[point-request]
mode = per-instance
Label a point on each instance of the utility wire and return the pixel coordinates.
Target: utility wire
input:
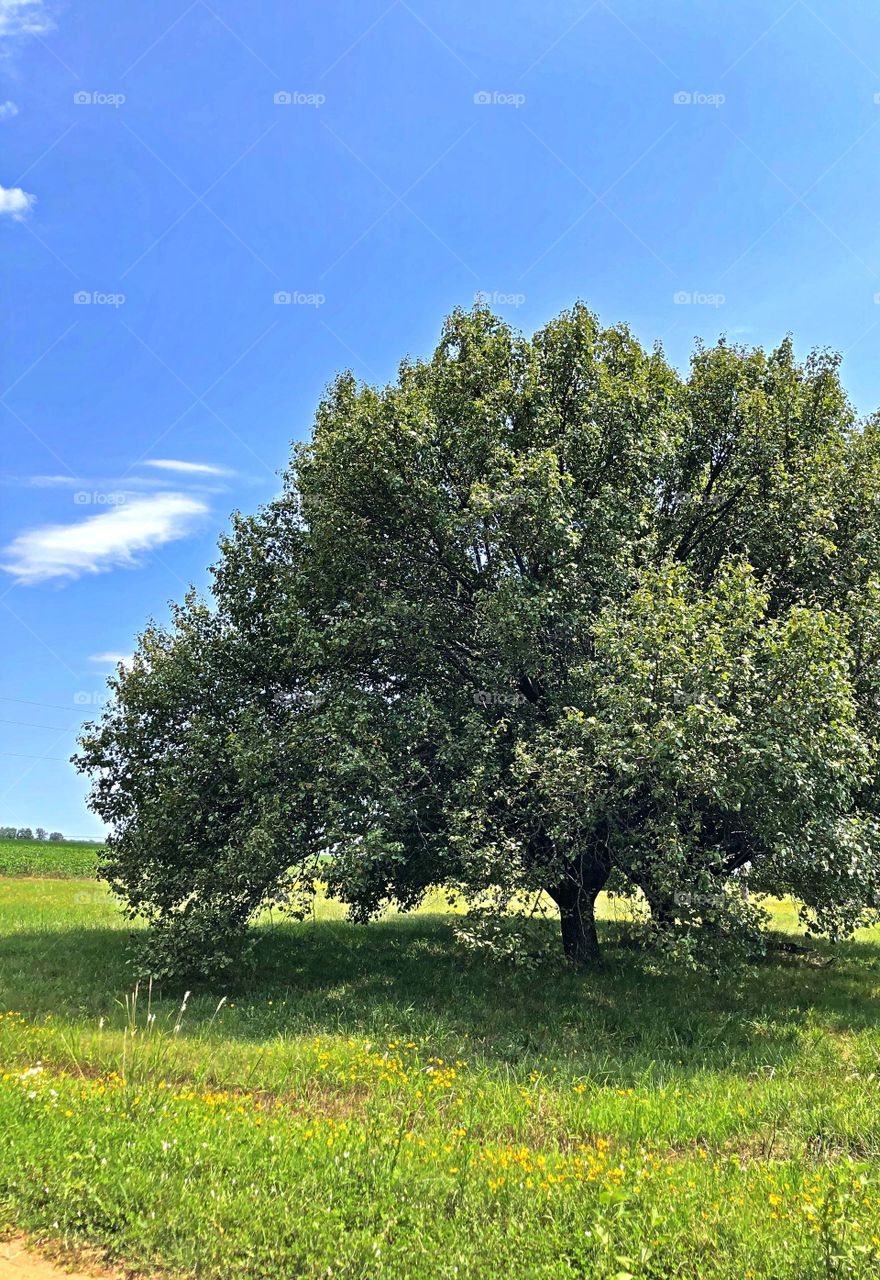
(30, 702)
(20, 755)
(29, 724)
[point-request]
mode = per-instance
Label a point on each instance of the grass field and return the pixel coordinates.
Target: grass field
(378, 1104)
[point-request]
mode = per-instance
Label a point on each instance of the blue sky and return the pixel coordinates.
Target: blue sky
(693, 169)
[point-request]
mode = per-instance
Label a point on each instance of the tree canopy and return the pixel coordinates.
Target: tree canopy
(542, 615)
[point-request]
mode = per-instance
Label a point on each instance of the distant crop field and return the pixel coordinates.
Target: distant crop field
(64, 858)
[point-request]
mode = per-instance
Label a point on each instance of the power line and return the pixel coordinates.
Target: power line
(20, 755)
(30, 703)
(29, 724)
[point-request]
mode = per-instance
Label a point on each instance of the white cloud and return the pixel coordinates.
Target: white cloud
(112, 658)
(118, 537)
(24, 18)
(8, 110)
(107, 490)
(15, 202)
(187, 468)
(124, 485)
(44, 482)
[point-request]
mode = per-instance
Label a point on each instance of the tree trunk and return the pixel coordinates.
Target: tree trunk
(579, 939)
(576, 899)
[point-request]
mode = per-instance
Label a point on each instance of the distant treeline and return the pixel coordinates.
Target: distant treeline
(25, 833)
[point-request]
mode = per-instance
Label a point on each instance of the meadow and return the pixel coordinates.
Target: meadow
(376, 1102)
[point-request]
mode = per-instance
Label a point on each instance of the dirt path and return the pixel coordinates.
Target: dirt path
(19, 1263)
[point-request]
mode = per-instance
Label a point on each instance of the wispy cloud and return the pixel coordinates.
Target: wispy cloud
(8, 110)
(187, 468)
(111, 659)
(124, 486)
(114, 485)
(25, 18)
(119, 537)
(15, 203)
(44, 482)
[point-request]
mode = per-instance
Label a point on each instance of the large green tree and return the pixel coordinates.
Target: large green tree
(538, 614)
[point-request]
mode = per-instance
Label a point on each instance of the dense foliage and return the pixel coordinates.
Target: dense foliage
(540, 616)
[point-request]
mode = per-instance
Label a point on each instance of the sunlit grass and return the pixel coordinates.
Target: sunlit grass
(377, 1102)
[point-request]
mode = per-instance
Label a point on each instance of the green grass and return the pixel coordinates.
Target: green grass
(376, 1103)
(48, 857)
